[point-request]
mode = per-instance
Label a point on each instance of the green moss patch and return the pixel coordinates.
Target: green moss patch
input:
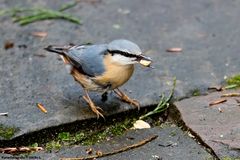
(117, 129)
(230, 158)
(89, 137)
(196, 92)
(234, 81)
(7, 132)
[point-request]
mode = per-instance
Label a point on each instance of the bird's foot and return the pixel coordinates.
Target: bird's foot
(97, 110)
(125, 98)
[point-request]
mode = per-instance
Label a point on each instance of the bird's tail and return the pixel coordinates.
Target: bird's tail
(57, 49)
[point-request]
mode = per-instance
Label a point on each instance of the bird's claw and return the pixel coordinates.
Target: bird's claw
(125, 98)
(97, 110)
(133, 102)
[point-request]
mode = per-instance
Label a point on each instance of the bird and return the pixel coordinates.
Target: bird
(102, 67)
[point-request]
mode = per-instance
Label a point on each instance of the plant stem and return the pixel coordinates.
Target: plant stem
(29, 15)
(46, 14)
(68, 5)
(163, 104)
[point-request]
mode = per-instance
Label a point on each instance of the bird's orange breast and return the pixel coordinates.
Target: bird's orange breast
(115, 74)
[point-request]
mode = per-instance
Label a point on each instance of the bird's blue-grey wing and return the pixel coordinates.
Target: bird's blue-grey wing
(88, 59)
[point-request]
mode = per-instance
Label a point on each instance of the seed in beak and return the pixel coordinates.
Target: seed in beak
(145, 63)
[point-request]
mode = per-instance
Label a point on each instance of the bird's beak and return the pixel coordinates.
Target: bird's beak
(145, 61)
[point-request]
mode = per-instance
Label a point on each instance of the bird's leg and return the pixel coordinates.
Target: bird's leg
(93, 107)
(125, 98)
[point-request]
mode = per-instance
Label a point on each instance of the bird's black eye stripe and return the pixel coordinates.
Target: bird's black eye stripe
(122, 53)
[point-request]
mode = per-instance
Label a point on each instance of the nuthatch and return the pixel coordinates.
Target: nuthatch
(102, 67)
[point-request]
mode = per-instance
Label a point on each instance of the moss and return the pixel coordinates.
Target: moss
(173, 133)
(92, 132)
(64, 136)
(53, 145)
(117, 129)
(94, 138)
(230, 158)
(89, 137)
(211, 158)
(79, 136)
(7, 132)
(196, 92)
(234, 80)
(34, 145)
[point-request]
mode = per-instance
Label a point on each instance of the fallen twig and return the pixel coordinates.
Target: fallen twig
(217, 88)
(4, 114)
(14, 150)
(41, 107)
(8, 44)
(138, 144)
(218, 101)
(231, 95)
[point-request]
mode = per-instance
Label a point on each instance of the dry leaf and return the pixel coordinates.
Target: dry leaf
(40, 34)
(89, 150)
(191, 135)
(99, 153)
(24, 149)
(36, 149)
(174, 50)
(140, 124)
(8, 45)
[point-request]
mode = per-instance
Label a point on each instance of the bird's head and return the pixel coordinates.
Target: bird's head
(126, 52)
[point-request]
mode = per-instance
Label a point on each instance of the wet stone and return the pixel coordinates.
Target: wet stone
(171, 143)
(210, 52)
(218, 125)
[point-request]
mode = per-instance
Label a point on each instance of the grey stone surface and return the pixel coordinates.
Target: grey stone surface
(171, 143)
(219, 130)
(206, 30)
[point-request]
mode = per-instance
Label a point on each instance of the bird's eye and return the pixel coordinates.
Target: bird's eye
(126, 54)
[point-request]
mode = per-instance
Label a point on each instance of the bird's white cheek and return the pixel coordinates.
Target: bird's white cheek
(122, 59)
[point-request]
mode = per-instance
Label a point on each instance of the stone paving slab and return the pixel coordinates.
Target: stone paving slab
(206, 30)
(171, 143)
(219, 130)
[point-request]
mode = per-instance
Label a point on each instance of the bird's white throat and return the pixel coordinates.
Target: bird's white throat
(123, 60)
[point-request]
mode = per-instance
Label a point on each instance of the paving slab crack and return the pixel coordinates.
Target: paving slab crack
(176, 117)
